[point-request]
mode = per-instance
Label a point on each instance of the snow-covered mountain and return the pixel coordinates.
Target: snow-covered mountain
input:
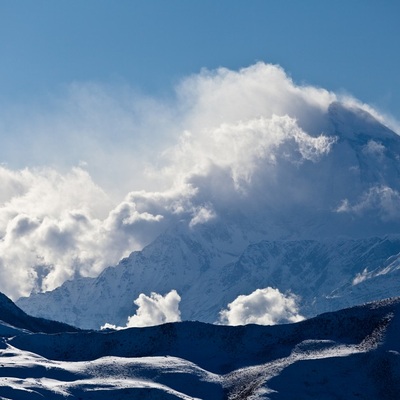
(348, 354)
(325, 228)
(323, 273)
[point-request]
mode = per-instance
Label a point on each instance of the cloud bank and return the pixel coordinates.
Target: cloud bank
(247, 144)
(263, 307)
(153, 310)
(56, 226)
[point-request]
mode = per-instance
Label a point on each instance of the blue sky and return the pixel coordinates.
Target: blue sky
(89, 82)
(151, 45)
(116, 120)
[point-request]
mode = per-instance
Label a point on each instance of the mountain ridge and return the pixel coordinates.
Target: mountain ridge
(14, 316)
(352, 353)
(324, 267)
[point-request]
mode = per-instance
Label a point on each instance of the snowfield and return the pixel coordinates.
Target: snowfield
(348, 354)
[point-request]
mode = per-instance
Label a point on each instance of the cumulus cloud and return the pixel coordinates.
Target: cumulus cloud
(263, 307)
(229, 144)
(213, 98)
(153, 310)
(245, 147)
(55, 226)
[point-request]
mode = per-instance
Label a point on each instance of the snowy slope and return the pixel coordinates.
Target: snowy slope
(349, 354)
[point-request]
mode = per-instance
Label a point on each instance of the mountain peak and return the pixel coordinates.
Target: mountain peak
(352, 122)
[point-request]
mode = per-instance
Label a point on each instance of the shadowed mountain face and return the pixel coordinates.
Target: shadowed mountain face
(12, 315)
(352, 353)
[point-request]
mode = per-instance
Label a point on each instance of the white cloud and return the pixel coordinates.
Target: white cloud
(229, 143)
(381, 200)
(202, 215)
(54, 226)
(374, 148)
(153, 310)
(361, 277)
(213, 98)
(245, 147)
(263, 307)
